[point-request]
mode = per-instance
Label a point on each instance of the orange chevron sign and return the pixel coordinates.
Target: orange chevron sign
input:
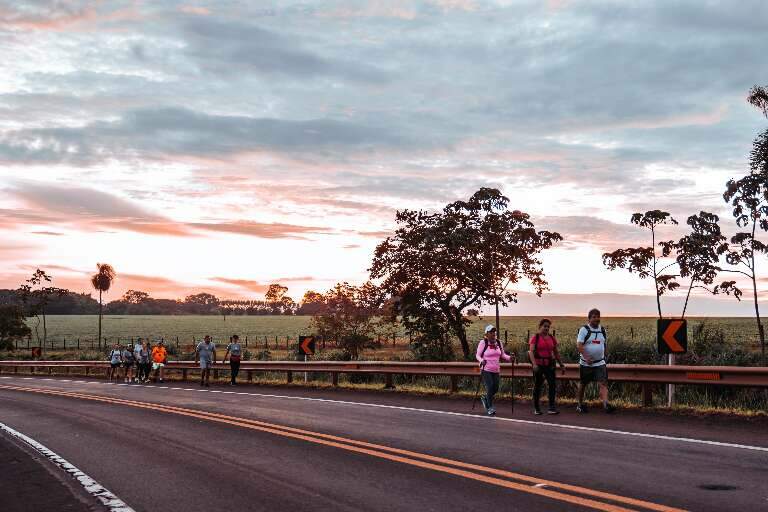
(672, 336)
(307, 345)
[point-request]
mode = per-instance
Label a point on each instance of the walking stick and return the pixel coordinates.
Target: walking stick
(477, 390)
(514, 359)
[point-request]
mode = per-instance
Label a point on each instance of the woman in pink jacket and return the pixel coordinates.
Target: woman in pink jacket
(489, 355)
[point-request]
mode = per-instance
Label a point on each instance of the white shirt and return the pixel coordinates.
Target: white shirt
(594, 345)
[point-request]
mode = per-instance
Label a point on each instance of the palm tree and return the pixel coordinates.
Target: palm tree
(102, 281)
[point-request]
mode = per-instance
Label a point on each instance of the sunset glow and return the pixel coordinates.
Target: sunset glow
(223, 146)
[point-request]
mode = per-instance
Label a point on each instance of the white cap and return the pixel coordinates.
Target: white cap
(489, 328)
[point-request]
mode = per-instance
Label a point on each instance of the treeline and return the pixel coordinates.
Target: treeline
(134, 302)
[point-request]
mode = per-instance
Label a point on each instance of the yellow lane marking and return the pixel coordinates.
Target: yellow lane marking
(380, 451)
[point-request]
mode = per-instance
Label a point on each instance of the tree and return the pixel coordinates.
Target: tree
(12, 325)
(350, 315)
(758, 97)
(278, 301)
(467, 255)
(311, 303)
(36, 296)
(201, 304)
(102, 281)
(748, 197)
(699, 252)
(645, 261)
(135, 297)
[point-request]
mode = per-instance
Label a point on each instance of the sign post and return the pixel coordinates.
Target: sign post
(306, 348)
(672, 339)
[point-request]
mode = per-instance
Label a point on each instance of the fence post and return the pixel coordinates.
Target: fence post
(388, 384)
(335, 379)
(647, 394)
(289, 378)
(454, 383)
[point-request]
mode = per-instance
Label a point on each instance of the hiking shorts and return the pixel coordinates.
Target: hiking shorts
(589, 374)
(156, 366)
(115, 365)
(205, 364)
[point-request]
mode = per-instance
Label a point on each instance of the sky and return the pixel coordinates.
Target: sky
(222, 146)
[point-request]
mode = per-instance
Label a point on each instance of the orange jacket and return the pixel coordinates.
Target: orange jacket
(159, 354)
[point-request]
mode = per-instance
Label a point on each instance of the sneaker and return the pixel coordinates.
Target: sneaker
(491, 412)
(485, 404)
(537, 412)
(582, 409)
(609, 409)
(553, 411)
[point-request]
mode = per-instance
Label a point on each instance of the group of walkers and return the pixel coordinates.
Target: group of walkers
(544, 356)
(138, 361)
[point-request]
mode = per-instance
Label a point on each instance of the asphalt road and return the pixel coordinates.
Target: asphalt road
(180, 447)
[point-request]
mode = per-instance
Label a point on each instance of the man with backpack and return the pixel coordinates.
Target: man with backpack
(591, 343)
(543, 354)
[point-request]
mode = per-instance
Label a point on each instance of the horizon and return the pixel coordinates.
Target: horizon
(221, 147)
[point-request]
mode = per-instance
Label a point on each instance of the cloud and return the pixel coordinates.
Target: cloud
(246, 284)
(220, 46)
(263, 230)
(85, 208)
(156, 133)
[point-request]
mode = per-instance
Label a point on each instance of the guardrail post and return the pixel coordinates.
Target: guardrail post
(290, 376)
(335, 379)
(388, 384)
(249, 374)
(454, 383)
(215, 374)
(50, 370)
(647, 394)
(183, 374)
(87, 369)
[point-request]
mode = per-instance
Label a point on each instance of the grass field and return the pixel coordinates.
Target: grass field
(739, 331)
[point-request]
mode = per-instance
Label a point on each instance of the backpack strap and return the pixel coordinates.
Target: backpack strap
(536, 347)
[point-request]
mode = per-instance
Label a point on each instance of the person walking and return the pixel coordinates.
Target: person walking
(129, 363)
(235, 352)
(489, 355)
(159, 359)
(591, 343)
(206, 355)
(115, 360)
(543, 355)
(143, 361)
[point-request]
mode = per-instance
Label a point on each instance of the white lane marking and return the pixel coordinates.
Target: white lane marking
(540, 485)
(95, 489)
(475, 416)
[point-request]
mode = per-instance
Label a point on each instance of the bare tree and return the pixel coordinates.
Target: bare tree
(645, 261)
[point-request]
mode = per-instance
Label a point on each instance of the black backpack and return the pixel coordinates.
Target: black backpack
(590, 332)
(536, 355)
(498, 342)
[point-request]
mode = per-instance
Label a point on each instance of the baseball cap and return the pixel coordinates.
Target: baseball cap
(489, 328)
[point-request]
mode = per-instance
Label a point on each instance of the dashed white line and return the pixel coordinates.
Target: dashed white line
(465, 415)
(95, 489)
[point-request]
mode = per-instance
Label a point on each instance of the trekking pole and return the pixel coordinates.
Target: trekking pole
(477, 389)
(514, 359)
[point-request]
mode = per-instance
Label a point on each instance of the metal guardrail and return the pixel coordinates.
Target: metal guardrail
(646, 375)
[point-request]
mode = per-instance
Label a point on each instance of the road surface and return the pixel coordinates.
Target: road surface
(182, 447)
